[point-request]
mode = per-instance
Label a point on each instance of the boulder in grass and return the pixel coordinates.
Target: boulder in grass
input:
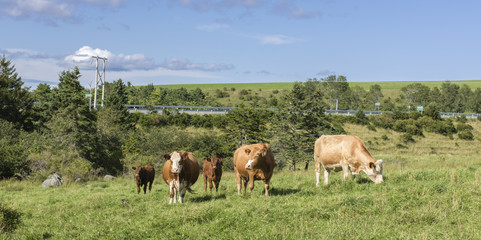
(108, 177)
(53, 180)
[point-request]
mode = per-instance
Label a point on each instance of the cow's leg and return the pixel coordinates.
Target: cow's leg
(245, 184)
(145, 188)
(210, 185)
(267, 187)
(138, 189)
(172, 192)
(182, 194)
(150, 185)
(345, 170)
(326, 176)
(317, 164)
(216, 185)
(238, 178)
(205, 183)
(251, 182)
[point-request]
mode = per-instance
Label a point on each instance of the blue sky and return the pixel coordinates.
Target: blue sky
(235, 41)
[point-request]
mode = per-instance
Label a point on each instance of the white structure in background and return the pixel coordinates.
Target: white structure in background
(99, 78)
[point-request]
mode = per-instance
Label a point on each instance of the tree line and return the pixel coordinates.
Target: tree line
(64, 135)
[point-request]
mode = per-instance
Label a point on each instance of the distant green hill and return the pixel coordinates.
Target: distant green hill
(473, 84)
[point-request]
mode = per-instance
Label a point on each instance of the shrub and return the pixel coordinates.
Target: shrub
(384, 137)
(462, 127)
(465, 135)
(243, 92)
(406, 138)
(371, 127)
(9, 219)
(462, 119)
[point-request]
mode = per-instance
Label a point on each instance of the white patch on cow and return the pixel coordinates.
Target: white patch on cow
(249, 164)
(318, 175)
(175, 158)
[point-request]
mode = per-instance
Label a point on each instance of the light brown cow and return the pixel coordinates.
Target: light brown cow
(253, 162)
(346, 153)
(212, 172)
(144, 175)
(180, 172)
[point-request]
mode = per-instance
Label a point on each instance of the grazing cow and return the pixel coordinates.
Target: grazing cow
(253, 162)
(180, 172)
(144, 175)
(212, 172)
(346, 153)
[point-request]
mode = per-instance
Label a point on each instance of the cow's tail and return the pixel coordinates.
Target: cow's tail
(190, 190)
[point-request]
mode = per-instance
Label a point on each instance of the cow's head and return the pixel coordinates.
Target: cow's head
(177, 160)
(137, 171)
(375, 171)
(255, 155)
(215, 162)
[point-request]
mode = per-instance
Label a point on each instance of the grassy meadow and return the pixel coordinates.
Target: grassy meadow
(432, 190)
(391, 89)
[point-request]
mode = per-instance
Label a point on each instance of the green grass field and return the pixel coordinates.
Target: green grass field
(389, 89)
(431, 191)
(473, 84)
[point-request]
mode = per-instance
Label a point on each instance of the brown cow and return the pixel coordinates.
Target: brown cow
(180, 172)
(212, 172)
(346, 153)
(253, 162)
(144, 175)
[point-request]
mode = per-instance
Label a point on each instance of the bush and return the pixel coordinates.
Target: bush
(462, 119)
(463, 127)
(9, 219)
(406, 138)
(371, 127)
(384, 137)
(465, 135)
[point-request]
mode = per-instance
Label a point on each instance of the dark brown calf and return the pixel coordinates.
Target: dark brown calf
(144, 175)
(212, 172)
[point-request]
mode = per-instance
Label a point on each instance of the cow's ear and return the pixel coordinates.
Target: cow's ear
(207, 159)
(248, 151)
(134, 168)
(184, 155)
(372, 165)
(167, 156)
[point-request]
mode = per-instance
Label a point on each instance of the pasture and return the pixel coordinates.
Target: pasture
(423, 197)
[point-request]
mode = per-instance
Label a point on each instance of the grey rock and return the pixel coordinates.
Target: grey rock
(53, 180)
(108, 177)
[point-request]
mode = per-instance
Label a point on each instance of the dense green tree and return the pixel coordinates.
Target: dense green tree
(373, 96)
(335, 89)
(15, 100)
(300, 121)
(246, 125)
(449, 99)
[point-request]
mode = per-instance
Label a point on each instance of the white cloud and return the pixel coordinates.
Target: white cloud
(50, 11)
(45, 8)
(276, 39)
(115, 62)
(185, 64)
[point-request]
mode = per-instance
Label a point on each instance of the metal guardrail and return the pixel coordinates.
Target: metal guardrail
(224, 110)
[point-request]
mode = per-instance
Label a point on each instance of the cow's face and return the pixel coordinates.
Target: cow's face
(177, 160)
(216, 163)
(137, 172)
(254, 156)
(375, 171)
